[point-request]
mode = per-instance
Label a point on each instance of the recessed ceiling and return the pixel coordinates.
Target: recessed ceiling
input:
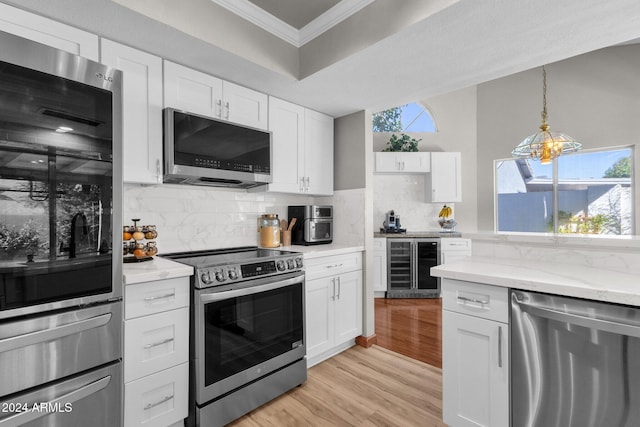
(294, 21)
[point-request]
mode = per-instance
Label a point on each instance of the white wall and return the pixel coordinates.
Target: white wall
(594, 97)
(455, 117)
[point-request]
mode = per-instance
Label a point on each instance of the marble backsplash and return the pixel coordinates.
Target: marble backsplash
(195, 218)
(405, 195)
(614, 254)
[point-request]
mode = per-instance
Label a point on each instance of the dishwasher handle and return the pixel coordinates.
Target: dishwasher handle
(576, 319)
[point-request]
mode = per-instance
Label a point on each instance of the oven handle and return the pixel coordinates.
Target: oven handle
(45, 335)
(267, 285)
(87, 390)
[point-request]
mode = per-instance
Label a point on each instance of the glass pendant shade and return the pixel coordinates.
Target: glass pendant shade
(545, 145)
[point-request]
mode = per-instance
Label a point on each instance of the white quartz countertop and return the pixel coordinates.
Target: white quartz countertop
(317, 251)
(561, 279)
(157, 269)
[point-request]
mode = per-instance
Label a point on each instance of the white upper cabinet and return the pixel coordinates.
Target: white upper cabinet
(200, 93)
(49, 32)
(318, 158)
(402, 162)
(286, 122)
(142, 110)
(302, 149)
(444, 183)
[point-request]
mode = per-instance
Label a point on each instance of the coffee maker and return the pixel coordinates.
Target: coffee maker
(391, 224)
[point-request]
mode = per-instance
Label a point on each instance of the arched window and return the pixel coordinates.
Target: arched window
(405, 118)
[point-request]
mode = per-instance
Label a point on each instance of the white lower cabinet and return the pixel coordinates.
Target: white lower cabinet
(380, 265)
(156, 352)
(475, 355)
(160, 399)
(333, 305)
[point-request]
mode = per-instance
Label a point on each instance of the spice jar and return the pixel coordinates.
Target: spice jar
(139, 251)
(150, 232)
(126, 233)
(269, 229)
(152, 249)
(137, 234)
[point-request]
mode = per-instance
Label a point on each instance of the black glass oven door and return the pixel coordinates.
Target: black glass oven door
(243, 334)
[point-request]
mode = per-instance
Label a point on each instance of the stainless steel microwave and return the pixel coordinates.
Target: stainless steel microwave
(202, 150)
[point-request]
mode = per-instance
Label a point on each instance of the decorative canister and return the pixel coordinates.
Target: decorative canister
(269, 229)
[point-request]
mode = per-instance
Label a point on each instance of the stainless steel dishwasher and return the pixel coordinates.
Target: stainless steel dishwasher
(574, 362)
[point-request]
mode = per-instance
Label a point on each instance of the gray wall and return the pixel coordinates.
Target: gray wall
(594, 97)
(350, 137)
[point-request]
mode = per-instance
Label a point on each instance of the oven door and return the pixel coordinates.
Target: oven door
(318, 230)
(245, 331)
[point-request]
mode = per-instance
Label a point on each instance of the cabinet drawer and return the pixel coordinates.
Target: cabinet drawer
(476, 299)
(332, 265)
(452, 244)
(154, 297)
(156, 342)
(157, 400)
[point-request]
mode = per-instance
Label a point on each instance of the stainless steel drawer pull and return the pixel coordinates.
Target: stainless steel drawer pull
(153, 405)
(335, 265)
(50, 334)
(156, 344)
(473, 300)
(155, 298)
(499, 346)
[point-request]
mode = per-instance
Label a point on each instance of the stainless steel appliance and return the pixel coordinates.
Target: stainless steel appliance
(573, 362)
(409, 262)
(247, 333)
(60, 204)
(314, 224)
(201, 150)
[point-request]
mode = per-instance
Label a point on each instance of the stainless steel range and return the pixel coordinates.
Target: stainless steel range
(247, 339)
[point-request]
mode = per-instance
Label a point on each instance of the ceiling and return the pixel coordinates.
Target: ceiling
(395, 55)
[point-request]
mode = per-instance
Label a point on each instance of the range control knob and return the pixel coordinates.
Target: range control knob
(220, 277)
(281, 265)
(299, 262)
(232, 274)
(206, 278)
(290, 264)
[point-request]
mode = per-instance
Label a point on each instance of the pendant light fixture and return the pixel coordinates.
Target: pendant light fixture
(545, 145)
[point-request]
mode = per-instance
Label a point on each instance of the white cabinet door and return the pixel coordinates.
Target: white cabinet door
(445, 182)
(192, 91)
(244, 106)
(380, 264)
(142, 110)
(319, 315)
(286, 122)
(475, 366)
(318, 153)
(348, 306)
(49, 32)
(200, 93)
(399, 162)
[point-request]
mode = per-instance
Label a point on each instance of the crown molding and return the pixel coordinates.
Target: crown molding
(284, 31)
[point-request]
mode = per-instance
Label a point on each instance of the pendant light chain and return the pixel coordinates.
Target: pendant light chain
(544, 97)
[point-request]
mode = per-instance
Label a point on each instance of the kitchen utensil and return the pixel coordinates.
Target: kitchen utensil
(293, 222)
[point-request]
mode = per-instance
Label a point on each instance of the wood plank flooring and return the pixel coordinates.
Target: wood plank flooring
(358, 387)
(412, 327)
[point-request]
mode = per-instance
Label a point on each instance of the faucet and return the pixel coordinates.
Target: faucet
(74, 224)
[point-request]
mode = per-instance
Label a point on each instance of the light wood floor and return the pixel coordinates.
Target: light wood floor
(412, 327)
(359, 387)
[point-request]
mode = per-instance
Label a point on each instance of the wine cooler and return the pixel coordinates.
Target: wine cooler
(409, 262)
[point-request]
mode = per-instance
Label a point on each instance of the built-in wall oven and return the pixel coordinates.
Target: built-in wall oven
(60, 204)
(247, 334)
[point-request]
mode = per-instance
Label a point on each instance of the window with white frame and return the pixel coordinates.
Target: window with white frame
(588, 192)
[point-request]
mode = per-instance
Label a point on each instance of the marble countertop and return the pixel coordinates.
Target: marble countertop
(417, 234)
(556, 278)
(317, 251)
(157, 269)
